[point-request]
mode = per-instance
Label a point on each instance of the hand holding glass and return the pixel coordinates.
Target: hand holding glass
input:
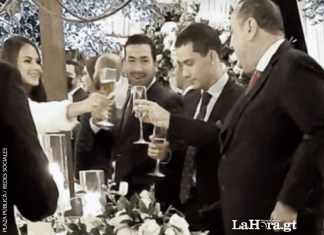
(108, 78)
(159, 139)
(139, 93)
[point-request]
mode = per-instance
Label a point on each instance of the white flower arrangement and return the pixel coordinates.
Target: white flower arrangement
(141, 215)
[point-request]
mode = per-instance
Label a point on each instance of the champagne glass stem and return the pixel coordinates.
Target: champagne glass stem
(157, 166)
(141, 128)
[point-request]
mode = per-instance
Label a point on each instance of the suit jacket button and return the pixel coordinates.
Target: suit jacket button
(222, 188)
(224, 157)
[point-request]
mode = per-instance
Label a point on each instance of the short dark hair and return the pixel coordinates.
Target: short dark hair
(266, 13)
(9, 53)
(78, 68)
(138, 39)
(202, 37)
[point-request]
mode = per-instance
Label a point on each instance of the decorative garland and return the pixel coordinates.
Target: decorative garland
(21, 18)
(87, 39)
(314, 10)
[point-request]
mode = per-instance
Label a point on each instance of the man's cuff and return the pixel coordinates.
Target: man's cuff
(168, 158)
(94, 127)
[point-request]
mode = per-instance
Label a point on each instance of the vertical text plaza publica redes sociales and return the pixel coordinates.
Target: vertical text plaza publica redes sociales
(256, 224)
(4, 195)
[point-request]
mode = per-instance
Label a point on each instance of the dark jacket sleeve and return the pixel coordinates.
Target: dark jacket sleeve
(30, 186)
(186, 131)
(83, 145)
(175, 104)
(306, 110)
(92, 151)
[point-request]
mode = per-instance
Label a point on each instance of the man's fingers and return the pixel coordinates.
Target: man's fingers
(111, 96)
(105, 114)
(152, 153)
(146, 119)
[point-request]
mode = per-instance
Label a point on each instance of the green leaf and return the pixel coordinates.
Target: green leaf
(122, 203)
(94, 231)
(142, 206)
(73, 227)
(83, 227)
(152, 193)
(157, 209)
(133, 201)
(151, 209)
(136, 217)
(109, 230)
(110, 210)
(126, 221)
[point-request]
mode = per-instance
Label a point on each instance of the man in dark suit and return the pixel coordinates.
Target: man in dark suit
(76, 93)
(272, 141)
(198, 48)
(274, 137)
(26, 181)
(132, 163)
(73, 79)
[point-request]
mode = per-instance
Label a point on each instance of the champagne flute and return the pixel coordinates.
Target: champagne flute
(159, 138)
(108, 78)
(139, 93)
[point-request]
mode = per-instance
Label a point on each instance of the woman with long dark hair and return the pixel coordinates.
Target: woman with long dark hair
(88, 72)
(48, 116)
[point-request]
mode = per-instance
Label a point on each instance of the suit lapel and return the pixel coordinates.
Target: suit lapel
(191, 103)
(221, 102)
(230, 125)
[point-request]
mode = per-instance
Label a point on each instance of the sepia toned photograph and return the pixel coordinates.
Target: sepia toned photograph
(162, 117)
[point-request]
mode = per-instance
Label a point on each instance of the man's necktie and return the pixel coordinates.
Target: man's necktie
(255, 77)
(127, 110)
(189, 163)
(205, 98)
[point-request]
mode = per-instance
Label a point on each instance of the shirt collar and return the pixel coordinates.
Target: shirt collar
(151, 84)
(266, 57)
(148, 87)
(217, 87)
(186, 90)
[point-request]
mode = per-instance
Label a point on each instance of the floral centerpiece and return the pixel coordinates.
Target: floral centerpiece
(140, 215)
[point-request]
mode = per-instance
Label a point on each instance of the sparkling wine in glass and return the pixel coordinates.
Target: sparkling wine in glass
(139, 93)
(108, 78)
(159, 138)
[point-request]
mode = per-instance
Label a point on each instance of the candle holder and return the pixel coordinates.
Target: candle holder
(54, 146)
(63, 203)
(91, 183)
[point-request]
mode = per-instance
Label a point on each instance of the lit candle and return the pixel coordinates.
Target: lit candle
(64, 193)
(92, 205)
